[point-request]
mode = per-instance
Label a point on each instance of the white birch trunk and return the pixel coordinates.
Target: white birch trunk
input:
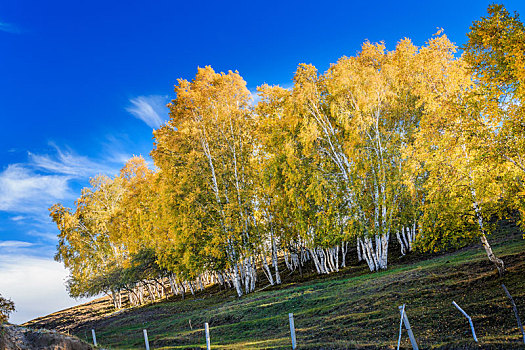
(488, 249)
(370, 254)
(323, 260)
(275, 261)
(140, 293)
(190, 286)
(172, 285)
(329, 260)
(479, 216)
(401, 243)
(316, 261)
(254, 274)
(150, 291)
(266, 269)
(182, 289)
(199, 280)
(237, 280)
(359, 248)
(344, 250)
(286, 261)
(295, 260)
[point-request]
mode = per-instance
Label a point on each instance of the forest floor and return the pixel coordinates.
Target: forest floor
(352, 309)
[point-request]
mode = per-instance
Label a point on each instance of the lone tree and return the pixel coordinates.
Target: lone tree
(6, 308)
(495, 52)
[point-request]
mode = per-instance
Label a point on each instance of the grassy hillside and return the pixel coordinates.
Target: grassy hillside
(351, 309)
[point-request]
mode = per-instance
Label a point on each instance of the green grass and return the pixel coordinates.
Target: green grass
(350, 309)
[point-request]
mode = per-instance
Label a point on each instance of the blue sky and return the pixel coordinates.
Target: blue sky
(82, 84)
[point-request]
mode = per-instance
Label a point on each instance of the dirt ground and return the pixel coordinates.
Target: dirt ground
(20, 338)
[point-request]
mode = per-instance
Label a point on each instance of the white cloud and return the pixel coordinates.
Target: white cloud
(28, 274)
(21, 189)
(150, 109)
(69, 163)
(35, 285)
(32, 187)
(14, 244)
(9, 28)
(18, 247)
(42, 233)
(119, 158)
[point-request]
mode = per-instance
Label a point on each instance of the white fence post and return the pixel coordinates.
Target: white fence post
(146, 339)
(469, 320)
(207, 330)
(407, 326)
(520, 326)
(292, 330)
(94, 337)
(402, 308)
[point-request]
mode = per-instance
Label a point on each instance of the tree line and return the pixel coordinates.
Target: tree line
(419, 145)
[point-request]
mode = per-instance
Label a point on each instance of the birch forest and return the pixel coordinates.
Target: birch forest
(418, 148)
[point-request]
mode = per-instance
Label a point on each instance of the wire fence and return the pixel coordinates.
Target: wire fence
(404, 324)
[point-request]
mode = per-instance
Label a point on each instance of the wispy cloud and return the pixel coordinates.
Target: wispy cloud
(21, 189)
(17, 247)
(9, 28)
(43, 233)
(150, 109)
(30, 188)
(119, 157)
(14, 244)
(69, 163)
